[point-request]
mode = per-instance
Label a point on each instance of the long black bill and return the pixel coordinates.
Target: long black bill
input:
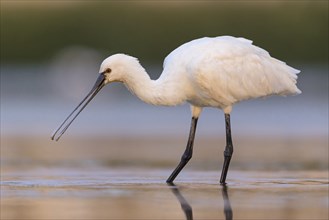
(100, 83)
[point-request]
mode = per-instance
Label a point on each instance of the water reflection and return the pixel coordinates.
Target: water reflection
(227, 205)
(108, 194)
(187, 208)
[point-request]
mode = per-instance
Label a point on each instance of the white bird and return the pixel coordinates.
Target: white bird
(207, 72)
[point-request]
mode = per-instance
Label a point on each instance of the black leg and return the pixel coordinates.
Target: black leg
(188, 152)
(228, 149)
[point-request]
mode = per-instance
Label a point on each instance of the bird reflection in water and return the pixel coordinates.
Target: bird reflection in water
(187, 208)
(227, 205)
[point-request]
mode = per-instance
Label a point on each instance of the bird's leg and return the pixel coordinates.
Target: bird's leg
(187, 155)
(228, 149)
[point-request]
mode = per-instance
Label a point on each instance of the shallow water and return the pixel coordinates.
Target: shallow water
(129, 193)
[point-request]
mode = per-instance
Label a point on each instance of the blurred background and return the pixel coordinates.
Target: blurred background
(50, 57)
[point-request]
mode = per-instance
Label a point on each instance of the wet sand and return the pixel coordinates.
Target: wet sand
(124, 178)
(251, 152)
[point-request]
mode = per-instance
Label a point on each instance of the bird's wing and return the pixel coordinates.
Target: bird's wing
(235, 71)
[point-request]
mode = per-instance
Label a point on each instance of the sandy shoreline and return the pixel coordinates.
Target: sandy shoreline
(251, 153)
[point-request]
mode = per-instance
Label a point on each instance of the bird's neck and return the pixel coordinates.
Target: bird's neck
(156, 92)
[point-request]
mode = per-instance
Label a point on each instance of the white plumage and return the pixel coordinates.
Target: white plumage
(216, 72)
(208, 72)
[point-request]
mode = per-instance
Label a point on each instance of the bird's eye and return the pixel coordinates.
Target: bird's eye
(108, 70)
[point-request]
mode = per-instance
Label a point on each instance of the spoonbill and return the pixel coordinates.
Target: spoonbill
(207, 72)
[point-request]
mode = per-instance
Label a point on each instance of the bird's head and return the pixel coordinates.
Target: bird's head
(115, 68)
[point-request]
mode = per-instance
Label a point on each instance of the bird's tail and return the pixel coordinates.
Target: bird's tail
(290, 79)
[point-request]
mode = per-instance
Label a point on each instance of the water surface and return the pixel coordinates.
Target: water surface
(130, 193)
